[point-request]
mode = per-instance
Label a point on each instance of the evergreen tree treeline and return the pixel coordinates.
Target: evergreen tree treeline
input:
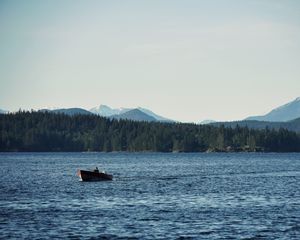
(44, 131)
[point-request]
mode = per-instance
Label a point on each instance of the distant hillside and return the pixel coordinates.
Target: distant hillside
(293, 125)
(152, 114)
(68, 111)
(46, 131)
(135, 115)
(283, 113)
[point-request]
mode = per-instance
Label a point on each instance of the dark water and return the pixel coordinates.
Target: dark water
(153, 196)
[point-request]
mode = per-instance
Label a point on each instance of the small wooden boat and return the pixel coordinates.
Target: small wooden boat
(93, 175)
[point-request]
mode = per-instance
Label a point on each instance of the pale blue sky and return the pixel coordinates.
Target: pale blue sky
(186, 60)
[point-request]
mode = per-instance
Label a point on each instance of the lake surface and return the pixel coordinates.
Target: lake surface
(153, 196)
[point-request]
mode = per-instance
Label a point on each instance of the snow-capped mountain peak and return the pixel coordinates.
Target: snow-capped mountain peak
(105, 111)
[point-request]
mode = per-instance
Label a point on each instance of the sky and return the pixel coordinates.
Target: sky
(187, 60)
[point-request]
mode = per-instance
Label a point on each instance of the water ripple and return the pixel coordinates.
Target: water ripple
(153, 196)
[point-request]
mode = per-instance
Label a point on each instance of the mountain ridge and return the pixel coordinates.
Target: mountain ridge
(134, 115)
(106, 111)
(283, 113)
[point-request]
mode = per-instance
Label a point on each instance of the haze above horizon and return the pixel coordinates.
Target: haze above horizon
(186, 60)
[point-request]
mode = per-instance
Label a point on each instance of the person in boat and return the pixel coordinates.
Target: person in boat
(96, 170)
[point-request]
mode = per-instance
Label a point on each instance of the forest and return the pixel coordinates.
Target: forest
(51, 132)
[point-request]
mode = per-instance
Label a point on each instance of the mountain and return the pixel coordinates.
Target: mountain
(283, 113)
(293, 125)
(152, 114)
(135, 115)
(68, 111)
(106, 111)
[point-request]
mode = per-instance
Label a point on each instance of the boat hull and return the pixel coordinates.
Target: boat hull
(93, 176)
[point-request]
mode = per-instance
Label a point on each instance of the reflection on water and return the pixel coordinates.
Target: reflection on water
(209, 196)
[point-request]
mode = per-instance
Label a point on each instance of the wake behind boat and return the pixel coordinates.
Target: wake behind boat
(93, 175)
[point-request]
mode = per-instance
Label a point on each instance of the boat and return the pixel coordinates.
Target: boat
(95, 175)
